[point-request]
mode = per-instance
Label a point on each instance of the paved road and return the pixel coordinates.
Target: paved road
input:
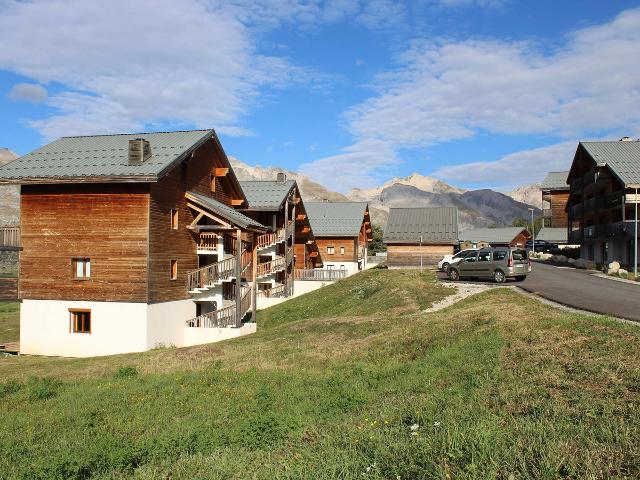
(583, 290)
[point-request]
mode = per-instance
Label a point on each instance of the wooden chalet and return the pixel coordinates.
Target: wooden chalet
(555, 194)
(494, 237)
(420, 236)
(289, 243)
(133, 241)
(342, 232)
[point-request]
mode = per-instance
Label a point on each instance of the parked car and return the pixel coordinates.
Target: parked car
(443, 264)
(497, 264)
(541, 246)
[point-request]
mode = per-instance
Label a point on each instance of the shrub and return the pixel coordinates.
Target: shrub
(126, 371)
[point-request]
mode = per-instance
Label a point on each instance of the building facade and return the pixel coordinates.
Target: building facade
(420, 236)
(131, 242)
(602, 210)
(555, 195)
(494, 237)
(342, 232)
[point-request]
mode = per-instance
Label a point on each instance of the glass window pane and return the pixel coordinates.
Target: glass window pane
(87, 268)
(79, 269)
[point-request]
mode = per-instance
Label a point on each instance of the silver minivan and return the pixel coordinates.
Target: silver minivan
(497, 264)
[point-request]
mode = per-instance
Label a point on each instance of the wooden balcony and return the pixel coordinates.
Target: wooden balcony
(266, 268)
(210, 275)
(271, 238)
(322, 275)
(610, 230)
(224, 317)
(208, 241)
(277, 291)
(10, 238)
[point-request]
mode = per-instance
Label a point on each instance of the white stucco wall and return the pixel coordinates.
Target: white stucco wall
(116, 327)
(199, 336)
(350, 267)
(166, 322)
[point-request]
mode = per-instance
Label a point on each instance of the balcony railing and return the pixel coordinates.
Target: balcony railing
(272, 266)
(610, 230)
(277, 291)
(324, 275)
(208, 241)
(225, 317)
(209, 275)
(10, 237)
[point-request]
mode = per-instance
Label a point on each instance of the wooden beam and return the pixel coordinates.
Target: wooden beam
(220, 171)
(209, 214)
(254, 277)
(238, 277)
(313, 254)
(301, 216)
(237, 202)
(197, 219)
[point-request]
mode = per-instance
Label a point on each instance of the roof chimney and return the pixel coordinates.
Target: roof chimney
(626, 139)
(281, 177)
(139, 151)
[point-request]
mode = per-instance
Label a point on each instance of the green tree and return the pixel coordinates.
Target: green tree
(377, 244)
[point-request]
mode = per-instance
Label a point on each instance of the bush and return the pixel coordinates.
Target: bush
(126, 372)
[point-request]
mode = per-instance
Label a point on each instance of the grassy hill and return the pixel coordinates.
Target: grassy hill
(351, 381)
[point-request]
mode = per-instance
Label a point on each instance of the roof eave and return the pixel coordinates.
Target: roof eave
(76, 180)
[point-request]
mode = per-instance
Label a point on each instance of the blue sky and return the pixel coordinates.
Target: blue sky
(479, 93)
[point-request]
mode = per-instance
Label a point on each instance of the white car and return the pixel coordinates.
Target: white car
(449, 259)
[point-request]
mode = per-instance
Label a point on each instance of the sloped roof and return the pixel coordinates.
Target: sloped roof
(553, 235)
(623, 158)
(226, 212)
(266, 194)
(336, 219)
(434, 224)
(491, 235)
(555, 181)
(74, 159)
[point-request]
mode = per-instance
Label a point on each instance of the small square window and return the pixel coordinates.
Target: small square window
(341, 250)
(174, 218)
(330, 267)
(80, 320)
(331, 250)
(174, 269)
(81, 268)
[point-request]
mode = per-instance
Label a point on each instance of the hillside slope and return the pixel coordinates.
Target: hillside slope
(351, 381)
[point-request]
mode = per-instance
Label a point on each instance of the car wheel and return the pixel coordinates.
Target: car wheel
(499, 276)
(520, 278)
(454, 275)
(445, 266)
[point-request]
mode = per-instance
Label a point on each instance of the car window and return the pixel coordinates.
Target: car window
(470, 258)
(484, 257)
(499, 255)
(519, 255)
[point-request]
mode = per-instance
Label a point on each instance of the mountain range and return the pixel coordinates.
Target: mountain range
(477, 208)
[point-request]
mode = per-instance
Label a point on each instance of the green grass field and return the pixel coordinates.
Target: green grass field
(352, 381)
(9, 321)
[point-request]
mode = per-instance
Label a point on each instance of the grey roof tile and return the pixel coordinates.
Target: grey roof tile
(623, 158)
(225, 211)
(555, 181)
(75, 158)
(434, 224)
(266, 194)
(336, 219)
(491, 235)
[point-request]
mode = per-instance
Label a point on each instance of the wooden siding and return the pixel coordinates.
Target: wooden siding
(107, 223)
(8, 289)
(166, 244)
(558, 201)
(349, 244)
(408, 255)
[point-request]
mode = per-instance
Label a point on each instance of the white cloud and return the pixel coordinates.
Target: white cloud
(527, 166)
(31, 92)
(476, 3)
(129, 64)
(451, 90)
(382, 14)
(362, 165)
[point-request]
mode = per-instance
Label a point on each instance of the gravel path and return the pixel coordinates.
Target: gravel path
(464, 290)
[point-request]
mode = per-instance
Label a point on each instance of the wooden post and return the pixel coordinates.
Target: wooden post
(238, 279)
(254, 277)
(293, 249)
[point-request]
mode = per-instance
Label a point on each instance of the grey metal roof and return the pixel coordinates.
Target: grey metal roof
(553, 235)
(336, 219)
(91, 157)
(434, 224)
(226, 212)
(491, 235)
(555, 181)
(623, 158)
(266, 194)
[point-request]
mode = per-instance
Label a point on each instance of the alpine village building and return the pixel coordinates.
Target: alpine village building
(130, 242)
(494, 237)
(555, 195)
(420, 236)
(604, 183)
(342, 231)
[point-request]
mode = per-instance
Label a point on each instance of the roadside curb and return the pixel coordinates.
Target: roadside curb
(616, 279)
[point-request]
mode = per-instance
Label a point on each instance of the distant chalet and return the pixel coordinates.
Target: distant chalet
(415, 235)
